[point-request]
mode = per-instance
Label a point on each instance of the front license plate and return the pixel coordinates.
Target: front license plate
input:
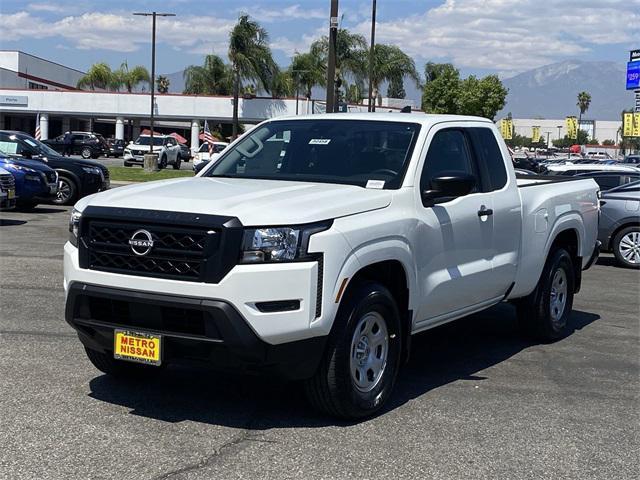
(137, 347)
(11, 194)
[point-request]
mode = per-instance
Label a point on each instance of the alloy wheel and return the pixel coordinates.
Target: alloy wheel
(629, 247)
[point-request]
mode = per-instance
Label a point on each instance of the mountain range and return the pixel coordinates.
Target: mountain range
(546, 92)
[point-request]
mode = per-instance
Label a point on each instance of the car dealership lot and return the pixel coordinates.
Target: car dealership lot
(475, 400)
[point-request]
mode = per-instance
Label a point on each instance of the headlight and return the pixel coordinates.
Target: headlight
(279, 244)
(92, 170)
(127, 151)
(74, 226)
(13, 166)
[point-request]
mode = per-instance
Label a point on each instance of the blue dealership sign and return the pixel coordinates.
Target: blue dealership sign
(633, 75)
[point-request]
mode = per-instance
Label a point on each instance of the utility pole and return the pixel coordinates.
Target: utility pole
(153, 15)
(331, 63)
(372, 104)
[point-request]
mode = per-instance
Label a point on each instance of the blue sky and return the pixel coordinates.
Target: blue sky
(478, 36)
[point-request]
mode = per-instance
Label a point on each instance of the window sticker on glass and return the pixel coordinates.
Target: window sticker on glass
(319, 141)
(377, 184)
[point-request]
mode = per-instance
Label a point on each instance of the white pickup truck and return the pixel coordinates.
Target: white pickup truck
(316, 246)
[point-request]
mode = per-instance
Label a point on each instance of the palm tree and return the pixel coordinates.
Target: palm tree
(308, 71)
(162, 84)
(250, 58)
(211, 78)
(389, 63)
(99, 76)
(283, 84)
(130, 79)
(351, 55)
(584, 101)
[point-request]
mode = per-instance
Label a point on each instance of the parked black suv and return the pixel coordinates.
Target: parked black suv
(76, 178)
(86, 144)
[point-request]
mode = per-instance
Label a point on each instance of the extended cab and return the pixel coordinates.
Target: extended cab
(316, 246)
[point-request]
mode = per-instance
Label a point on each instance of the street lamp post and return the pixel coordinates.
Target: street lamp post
(331, 61)
(153, 15)
(372, 105)
(559, 128)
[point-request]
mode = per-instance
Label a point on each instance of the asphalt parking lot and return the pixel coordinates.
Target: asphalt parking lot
(475, 400)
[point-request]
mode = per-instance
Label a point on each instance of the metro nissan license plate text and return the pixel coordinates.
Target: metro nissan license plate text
(137, 347)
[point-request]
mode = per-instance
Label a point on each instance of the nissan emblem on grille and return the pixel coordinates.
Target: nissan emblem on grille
(141, 242)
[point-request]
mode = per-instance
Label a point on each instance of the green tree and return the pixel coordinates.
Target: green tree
(608, 141)
(250, 58)
(98, 77)
(211, 78)
(441, 91)
(584, 101)
(389, 63)
(130, 79)
(283, 85)
(351, 56)
(354, 92)
(445, 92)
(483, 98)
(162, 84)
(396, 88)
(308, 70)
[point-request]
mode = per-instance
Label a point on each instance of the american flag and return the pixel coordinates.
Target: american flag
(38, 132)
(208, 137)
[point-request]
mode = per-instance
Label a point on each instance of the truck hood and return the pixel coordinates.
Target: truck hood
(254, 202)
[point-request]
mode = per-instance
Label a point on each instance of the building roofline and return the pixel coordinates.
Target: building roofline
(43, 59)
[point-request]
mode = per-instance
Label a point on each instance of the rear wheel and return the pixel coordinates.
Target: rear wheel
(67, 191)
(163, 162)
(85, 153)
(358, 370)
(544, 314)
(626, 247)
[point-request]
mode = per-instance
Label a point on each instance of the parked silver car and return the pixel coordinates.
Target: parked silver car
(619, 227)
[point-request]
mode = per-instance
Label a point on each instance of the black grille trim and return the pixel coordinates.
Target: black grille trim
(188, 247)
(319, 287)
(7, 182)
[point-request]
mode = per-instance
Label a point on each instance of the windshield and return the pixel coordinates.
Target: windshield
(147, 141)
(354, 152)
(44, 149)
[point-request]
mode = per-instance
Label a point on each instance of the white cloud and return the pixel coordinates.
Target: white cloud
(510, 36)
(46, 7)
(292, 12)
(123, 32)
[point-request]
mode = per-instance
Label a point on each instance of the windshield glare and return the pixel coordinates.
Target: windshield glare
(147, 141)
(352, 152)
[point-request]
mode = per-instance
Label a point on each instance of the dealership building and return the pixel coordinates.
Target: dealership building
(32, 86)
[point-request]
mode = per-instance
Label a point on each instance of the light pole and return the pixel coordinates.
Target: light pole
(372, 105)
(559, 128)
(331, 63)
(153, 15)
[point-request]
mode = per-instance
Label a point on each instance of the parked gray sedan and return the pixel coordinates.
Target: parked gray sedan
(619, 227)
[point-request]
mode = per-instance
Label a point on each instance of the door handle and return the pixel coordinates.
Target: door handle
(485, 212)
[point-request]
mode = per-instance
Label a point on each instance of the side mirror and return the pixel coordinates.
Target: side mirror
(447, 186)
(27, 153)
(130, 142)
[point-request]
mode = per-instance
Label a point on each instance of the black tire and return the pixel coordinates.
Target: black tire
(535, 311)
(117, 368)
(67, 191)
(628, 235)
(176, 165)
(333, 389)
(85, 153)
(163, 162)
(127, 164)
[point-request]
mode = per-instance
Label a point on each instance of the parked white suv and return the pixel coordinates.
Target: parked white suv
(203, 155)
(165, 146)
(316, 246)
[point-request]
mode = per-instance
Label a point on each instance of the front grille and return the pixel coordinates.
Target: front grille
(189, 247)
(7, 182)
(175, 253)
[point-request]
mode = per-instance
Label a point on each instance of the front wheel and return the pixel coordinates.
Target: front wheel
(176, 164)
(163, 162)
(358, 370)
(544, 314)
(67, 192)
(626, 247)
(85, 153)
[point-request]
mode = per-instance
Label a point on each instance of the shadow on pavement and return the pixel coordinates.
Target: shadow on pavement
(5, 222)
(457, 351)
(608, 261)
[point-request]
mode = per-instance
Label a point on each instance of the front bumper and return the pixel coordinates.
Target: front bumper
(244, 287)
(194, 330)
